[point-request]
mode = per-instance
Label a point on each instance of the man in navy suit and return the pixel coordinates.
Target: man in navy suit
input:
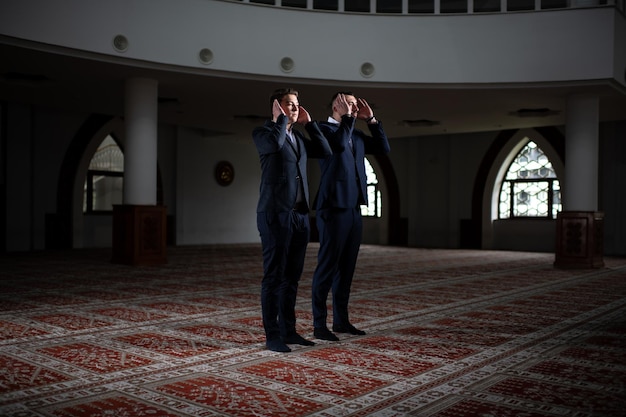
(282, 212)
(343, 189)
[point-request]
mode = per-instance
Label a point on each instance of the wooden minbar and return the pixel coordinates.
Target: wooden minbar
(139, 234)
(579, 239)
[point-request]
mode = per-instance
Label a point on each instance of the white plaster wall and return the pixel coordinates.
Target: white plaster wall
(167, 165)
(439, 184)
(19, 210)
(613, 180)
(560, 45)
(36, 142)
(205, 211)
(525, 235)
(619, 52)
(250, 40)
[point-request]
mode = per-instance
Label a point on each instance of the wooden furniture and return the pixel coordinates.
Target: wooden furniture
(579, 239)
(139, 234)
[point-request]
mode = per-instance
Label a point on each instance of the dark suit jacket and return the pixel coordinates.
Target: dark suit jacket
(282, 163)
(339, 186)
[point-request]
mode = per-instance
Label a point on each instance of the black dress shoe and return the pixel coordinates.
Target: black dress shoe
(348, 329)
(323, 333)
(296, 339)
(277, 346)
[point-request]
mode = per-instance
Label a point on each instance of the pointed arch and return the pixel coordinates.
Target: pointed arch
(105, 178)
(527, 185)
(60, 225)
(550, 139)
(375, 205)
(64, 229)
(397, 233)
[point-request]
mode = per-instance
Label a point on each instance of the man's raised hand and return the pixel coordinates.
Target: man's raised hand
(276, 111)
(303, 116)
(365, 111)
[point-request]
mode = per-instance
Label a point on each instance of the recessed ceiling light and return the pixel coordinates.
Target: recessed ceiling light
(205, 56)
(168, 100)
(367, 69)
(25, 77)
(419, 123)
(538, 112)
(287, 64)
(120, 43)
(250, 117)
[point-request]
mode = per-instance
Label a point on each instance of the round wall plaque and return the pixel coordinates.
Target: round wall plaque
(224, 173)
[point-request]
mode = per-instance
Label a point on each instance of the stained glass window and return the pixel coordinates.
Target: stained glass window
(374, 196)
(105, 178)
(531, 187)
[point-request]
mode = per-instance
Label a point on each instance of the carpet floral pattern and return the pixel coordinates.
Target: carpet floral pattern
(450, 333)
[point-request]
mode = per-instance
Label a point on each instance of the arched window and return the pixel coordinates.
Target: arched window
(530, 187)
(374, 196)
(105, 178)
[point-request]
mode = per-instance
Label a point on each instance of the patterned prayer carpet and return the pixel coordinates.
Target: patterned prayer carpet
(450, 333)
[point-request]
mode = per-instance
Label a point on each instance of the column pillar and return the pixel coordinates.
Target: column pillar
(580, 226)
(140, 148)
(139, 231)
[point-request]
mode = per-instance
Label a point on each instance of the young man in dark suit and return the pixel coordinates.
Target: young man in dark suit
(343, 189)
(282, 212)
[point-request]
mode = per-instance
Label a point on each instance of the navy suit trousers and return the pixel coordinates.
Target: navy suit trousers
(284, 238)
(340, 232)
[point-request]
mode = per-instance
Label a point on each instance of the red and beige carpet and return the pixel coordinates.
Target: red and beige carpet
(450, 333)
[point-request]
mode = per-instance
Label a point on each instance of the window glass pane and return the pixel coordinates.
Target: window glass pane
(556, 199)
(531, 163)
(108, 157)
(325, 4)
(389, 6)
(554, 4)
(482, 6)
(517, 5)
(106, 192)
(453, 6)
(295, 3)
(531, 187)
(374, 196)
(531, 199)
(263, 1)
(357, 5)
(504, 206)
(421, 6)
(104, 182)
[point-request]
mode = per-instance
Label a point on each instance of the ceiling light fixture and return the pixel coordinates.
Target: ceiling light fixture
(287, 64)
(205, 56)
(120, 43)
(538, 112)
(250, 117)
(168, 100)
(22, 77)
(419, 123)
(367, 70)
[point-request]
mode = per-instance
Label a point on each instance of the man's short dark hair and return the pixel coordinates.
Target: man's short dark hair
(345, 93)
(280, 93)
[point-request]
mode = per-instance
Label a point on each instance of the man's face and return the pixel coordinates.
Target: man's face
(291, 107)
(354, 108)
